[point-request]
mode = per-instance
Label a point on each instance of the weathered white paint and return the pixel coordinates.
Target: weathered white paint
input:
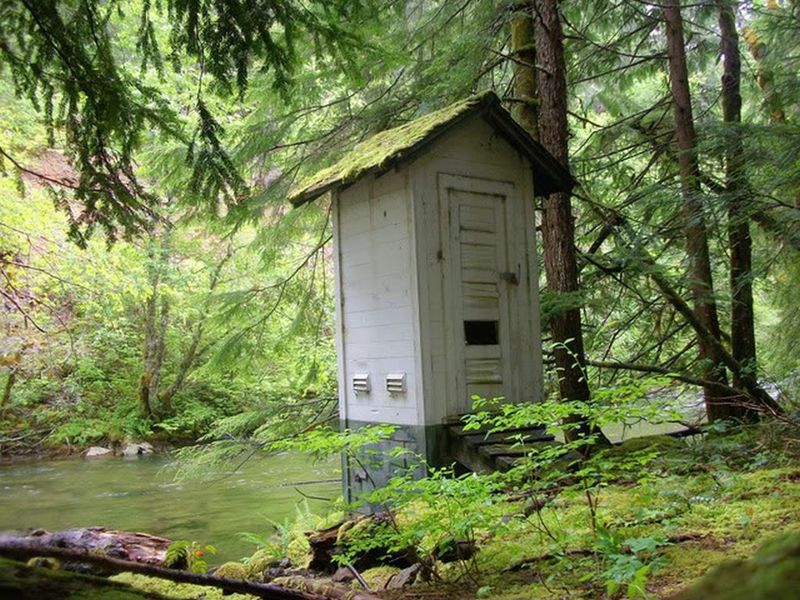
(375, 311)
(421, 249)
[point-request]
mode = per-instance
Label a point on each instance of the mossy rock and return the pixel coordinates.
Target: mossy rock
(299, 552)
(378, 577)
(231, 570)
(773, 572)
(350, 530)
(663, 443)
(258, 563)
(44, 562)
(24, 582)
(322, 587)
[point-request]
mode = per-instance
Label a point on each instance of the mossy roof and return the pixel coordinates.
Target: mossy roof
(401, 144)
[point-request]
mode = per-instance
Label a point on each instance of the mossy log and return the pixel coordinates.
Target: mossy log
(125, 545)
(24, 549)
(25, 582)
(327, 543)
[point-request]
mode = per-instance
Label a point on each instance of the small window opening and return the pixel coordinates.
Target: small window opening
(481, 333)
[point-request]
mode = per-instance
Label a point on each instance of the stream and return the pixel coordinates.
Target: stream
(141, 494)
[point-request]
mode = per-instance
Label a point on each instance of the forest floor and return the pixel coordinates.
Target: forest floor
(653, 533)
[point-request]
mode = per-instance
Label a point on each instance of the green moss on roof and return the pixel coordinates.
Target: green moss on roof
(382, 148)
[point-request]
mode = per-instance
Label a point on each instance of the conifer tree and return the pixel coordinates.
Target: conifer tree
(64, 57)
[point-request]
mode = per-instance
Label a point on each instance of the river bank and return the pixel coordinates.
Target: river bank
(38, 445)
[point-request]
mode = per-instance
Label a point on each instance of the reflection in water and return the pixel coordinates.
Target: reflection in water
(140, 495)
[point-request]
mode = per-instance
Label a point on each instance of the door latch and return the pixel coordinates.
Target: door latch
(509, 277)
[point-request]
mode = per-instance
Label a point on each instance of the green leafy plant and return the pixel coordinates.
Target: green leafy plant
(191, 554)
(288, 538)
(440, 515)
(627, 562)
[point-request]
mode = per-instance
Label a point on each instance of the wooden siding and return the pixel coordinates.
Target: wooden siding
(376, 312)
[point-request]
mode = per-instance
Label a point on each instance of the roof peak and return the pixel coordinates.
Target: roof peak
(403, 143)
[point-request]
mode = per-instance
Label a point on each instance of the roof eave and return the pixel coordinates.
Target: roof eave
(550, 176)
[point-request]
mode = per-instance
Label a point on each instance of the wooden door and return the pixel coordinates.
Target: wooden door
(480, 285)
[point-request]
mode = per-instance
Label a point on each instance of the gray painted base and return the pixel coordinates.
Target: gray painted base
(374, 466)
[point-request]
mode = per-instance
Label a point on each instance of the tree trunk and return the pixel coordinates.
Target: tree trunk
(326, 544)
(743, 340)
(193, 350)
(699, 267)
(765, 76)
(523, 54)
(12, 378)
(156, 321)
(558, 228)
(126, 545)
(759, 399)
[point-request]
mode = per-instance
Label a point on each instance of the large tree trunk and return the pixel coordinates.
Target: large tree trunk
(126, 545)
(764, 75)
(743, 340)
(699, 267)
(758, 399)
(558, 228)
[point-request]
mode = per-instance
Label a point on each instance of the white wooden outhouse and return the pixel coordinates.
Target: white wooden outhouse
(436, 270)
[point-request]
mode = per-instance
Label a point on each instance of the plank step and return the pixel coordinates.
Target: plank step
(457, 419)
(510, 449)
(504, 463)
(505, 437)
(502, 450)
(458, 430)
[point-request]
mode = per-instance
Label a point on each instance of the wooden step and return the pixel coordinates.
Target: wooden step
(503, 450)
(512, 449)
(504, 463)
(459, 419)
(458, 430)
(528, 436)
(484, 449)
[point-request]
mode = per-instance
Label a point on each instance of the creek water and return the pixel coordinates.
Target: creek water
(142, 494)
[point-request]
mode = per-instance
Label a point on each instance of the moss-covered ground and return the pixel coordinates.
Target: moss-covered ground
(666, 512)
(654, 518)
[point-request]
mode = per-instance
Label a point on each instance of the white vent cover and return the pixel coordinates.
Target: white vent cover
(396, 383)
(361, 383)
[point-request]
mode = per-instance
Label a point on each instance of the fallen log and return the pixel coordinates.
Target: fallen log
(327, 544)
(126, 545)
(17, 548)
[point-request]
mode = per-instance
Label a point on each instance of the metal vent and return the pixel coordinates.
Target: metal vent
(361, 383)
(396, 383)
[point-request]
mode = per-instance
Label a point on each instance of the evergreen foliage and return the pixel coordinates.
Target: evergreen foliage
(179, 128)
(93, 94)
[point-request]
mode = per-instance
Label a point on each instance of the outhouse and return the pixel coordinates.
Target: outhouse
(436, 272)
